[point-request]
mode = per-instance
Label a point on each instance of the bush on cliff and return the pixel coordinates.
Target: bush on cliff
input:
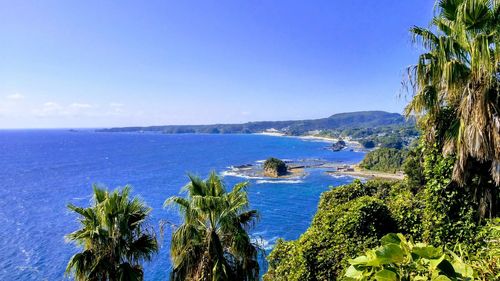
(384, 160)
(349, 220)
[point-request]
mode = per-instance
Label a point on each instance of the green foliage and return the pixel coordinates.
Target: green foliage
(486, 262)
(392, 136)
(413, 165)
(450, 215)
(348, 220)
(367, 143)
(212, 243)
(457, 79)
(275, 166)
(384, 160)
(338, 122)
(453, 175)
(399, 259)
(406, 206)
(287, 262)
(114, 237)
(427, 205)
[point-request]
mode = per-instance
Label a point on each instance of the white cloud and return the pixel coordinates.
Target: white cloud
(50, 108)
(116, 104)
(16, 96)
(51, 105)
(80, 105)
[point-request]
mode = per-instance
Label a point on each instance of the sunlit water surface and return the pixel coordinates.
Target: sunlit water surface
(41, 171)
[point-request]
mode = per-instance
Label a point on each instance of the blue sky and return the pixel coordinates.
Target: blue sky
(122, 63)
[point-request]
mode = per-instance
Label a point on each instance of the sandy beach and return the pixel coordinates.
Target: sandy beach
(369, 174)
(350, 143)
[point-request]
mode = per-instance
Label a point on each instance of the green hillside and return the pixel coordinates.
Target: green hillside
(362, 119)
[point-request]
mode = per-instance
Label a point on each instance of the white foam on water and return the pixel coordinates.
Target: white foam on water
(239, 175)
(339, 176)
(280, 181)
(264, 243)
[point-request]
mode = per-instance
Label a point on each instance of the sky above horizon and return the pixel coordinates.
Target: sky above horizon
(71, 64)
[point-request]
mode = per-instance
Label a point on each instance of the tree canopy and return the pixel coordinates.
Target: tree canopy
(114, 237)
(458, 75)
(212, 242)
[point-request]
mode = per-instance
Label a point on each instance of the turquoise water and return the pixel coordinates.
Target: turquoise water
(41, 171)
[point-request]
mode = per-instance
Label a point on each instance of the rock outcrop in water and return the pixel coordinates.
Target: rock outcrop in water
(338, 146)
(274, 167)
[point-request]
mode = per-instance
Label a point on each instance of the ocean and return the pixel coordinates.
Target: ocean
(41, 171)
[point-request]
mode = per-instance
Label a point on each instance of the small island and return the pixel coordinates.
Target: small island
(274, 167)
(339, 145)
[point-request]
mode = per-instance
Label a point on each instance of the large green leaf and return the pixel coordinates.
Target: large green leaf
(441, 278)
(446, 268)
(390, 253)
(460, 267)
(434, 263)
(386, 275)
(361, 260)
(427, 252)
(353, 273)
(391, 238)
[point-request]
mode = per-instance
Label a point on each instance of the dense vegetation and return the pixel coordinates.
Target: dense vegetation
(349, 219)
(346, 224)
(275, 167)
(384, 160)
(450, 198)
(114, 237)
(392, 136)
(341, 121)
(400, 259)
(212, 242)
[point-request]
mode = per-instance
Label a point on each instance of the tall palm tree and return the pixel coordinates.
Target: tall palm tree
(114, 238)
(457, 79)
(212, 243)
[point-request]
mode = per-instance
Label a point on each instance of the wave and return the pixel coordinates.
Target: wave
(284, 160)
(339, 176)
(239, 175)
(280, 181)
(263, 243)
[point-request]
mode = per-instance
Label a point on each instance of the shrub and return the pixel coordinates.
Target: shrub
(384, 160)
(449, 216)
(367, 143)
(486, 262)
(399, 259)
(406, 208)
(347, 222)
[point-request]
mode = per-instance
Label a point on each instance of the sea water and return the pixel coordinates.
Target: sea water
(42, 171)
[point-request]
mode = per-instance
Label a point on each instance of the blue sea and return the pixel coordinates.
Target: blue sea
(41, 171)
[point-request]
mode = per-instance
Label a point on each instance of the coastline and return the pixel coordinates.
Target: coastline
(351, 143)
(356, 172)
(367, 174)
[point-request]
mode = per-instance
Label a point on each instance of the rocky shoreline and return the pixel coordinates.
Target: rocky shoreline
(367, 174)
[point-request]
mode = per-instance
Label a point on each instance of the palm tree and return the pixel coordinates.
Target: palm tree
(457, 80)
(212, 243)
(114, 238)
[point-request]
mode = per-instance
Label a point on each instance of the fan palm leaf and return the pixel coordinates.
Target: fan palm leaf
(114, 237)
(212, 243)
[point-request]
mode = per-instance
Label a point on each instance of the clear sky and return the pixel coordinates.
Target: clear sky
(123, 63)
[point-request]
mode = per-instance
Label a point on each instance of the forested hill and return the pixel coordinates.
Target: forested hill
(362, 119)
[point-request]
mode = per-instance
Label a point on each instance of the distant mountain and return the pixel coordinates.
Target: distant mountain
(361, 119)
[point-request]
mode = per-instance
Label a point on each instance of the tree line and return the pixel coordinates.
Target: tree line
(449, 200)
